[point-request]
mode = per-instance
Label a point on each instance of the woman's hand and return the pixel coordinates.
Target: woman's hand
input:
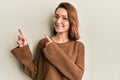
(49, 40)
(21, 39)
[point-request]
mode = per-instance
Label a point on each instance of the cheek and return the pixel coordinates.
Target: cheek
(67, 26)
(53, 22)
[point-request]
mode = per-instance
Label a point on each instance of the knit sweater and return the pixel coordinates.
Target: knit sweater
(56, 61)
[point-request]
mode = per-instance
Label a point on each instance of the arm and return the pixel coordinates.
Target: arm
(73, 71)
(24, 56)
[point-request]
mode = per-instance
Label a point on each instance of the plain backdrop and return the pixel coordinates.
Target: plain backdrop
(99, 30)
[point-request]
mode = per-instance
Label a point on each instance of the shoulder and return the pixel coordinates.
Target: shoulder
(79, 43)
(42, 42)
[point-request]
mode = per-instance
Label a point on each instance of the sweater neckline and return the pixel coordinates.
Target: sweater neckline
(61, 43)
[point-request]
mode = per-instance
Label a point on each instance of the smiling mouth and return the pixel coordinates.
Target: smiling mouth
(58, 25)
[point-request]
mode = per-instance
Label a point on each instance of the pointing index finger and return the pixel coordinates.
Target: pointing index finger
(20, 31)
(48, 38)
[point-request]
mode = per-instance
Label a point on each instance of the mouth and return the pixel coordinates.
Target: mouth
(59, 26)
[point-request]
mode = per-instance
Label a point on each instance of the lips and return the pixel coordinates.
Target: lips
(59, 25)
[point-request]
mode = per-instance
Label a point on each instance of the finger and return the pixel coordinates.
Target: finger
(20, 37)
(48, 38)
(20, 32)
(20, 43)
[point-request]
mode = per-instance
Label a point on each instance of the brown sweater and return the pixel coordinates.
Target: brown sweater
(57, 61)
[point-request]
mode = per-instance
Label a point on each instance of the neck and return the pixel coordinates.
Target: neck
(61, 38)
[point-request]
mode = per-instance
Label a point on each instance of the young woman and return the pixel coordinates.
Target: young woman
(60, 57)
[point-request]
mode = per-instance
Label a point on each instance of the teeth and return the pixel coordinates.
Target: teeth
(58, 26)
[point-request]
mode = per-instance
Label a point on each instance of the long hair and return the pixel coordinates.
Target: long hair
(73, 20)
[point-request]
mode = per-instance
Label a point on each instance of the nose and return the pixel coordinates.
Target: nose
(59, 20)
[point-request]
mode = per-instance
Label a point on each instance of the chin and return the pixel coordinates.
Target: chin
(59, 31)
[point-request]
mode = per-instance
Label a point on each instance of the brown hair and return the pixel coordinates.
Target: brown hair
(73, 20)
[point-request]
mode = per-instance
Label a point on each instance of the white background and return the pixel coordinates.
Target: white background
(99, 30)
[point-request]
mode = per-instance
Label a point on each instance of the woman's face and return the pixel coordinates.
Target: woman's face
(61, 21)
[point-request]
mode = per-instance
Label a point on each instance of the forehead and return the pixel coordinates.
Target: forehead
(61, 11)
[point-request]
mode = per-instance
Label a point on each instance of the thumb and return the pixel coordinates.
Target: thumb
(48, 38)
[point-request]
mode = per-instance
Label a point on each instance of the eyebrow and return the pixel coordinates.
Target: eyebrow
(62, 15)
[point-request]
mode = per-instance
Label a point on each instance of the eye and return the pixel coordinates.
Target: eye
(65, 18)
(56, 16)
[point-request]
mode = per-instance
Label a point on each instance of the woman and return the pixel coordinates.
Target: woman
(60, 57)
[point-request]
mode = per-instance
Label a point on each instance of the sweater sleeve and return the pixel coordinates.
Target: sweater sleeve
(24, 56)
(73, 71)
